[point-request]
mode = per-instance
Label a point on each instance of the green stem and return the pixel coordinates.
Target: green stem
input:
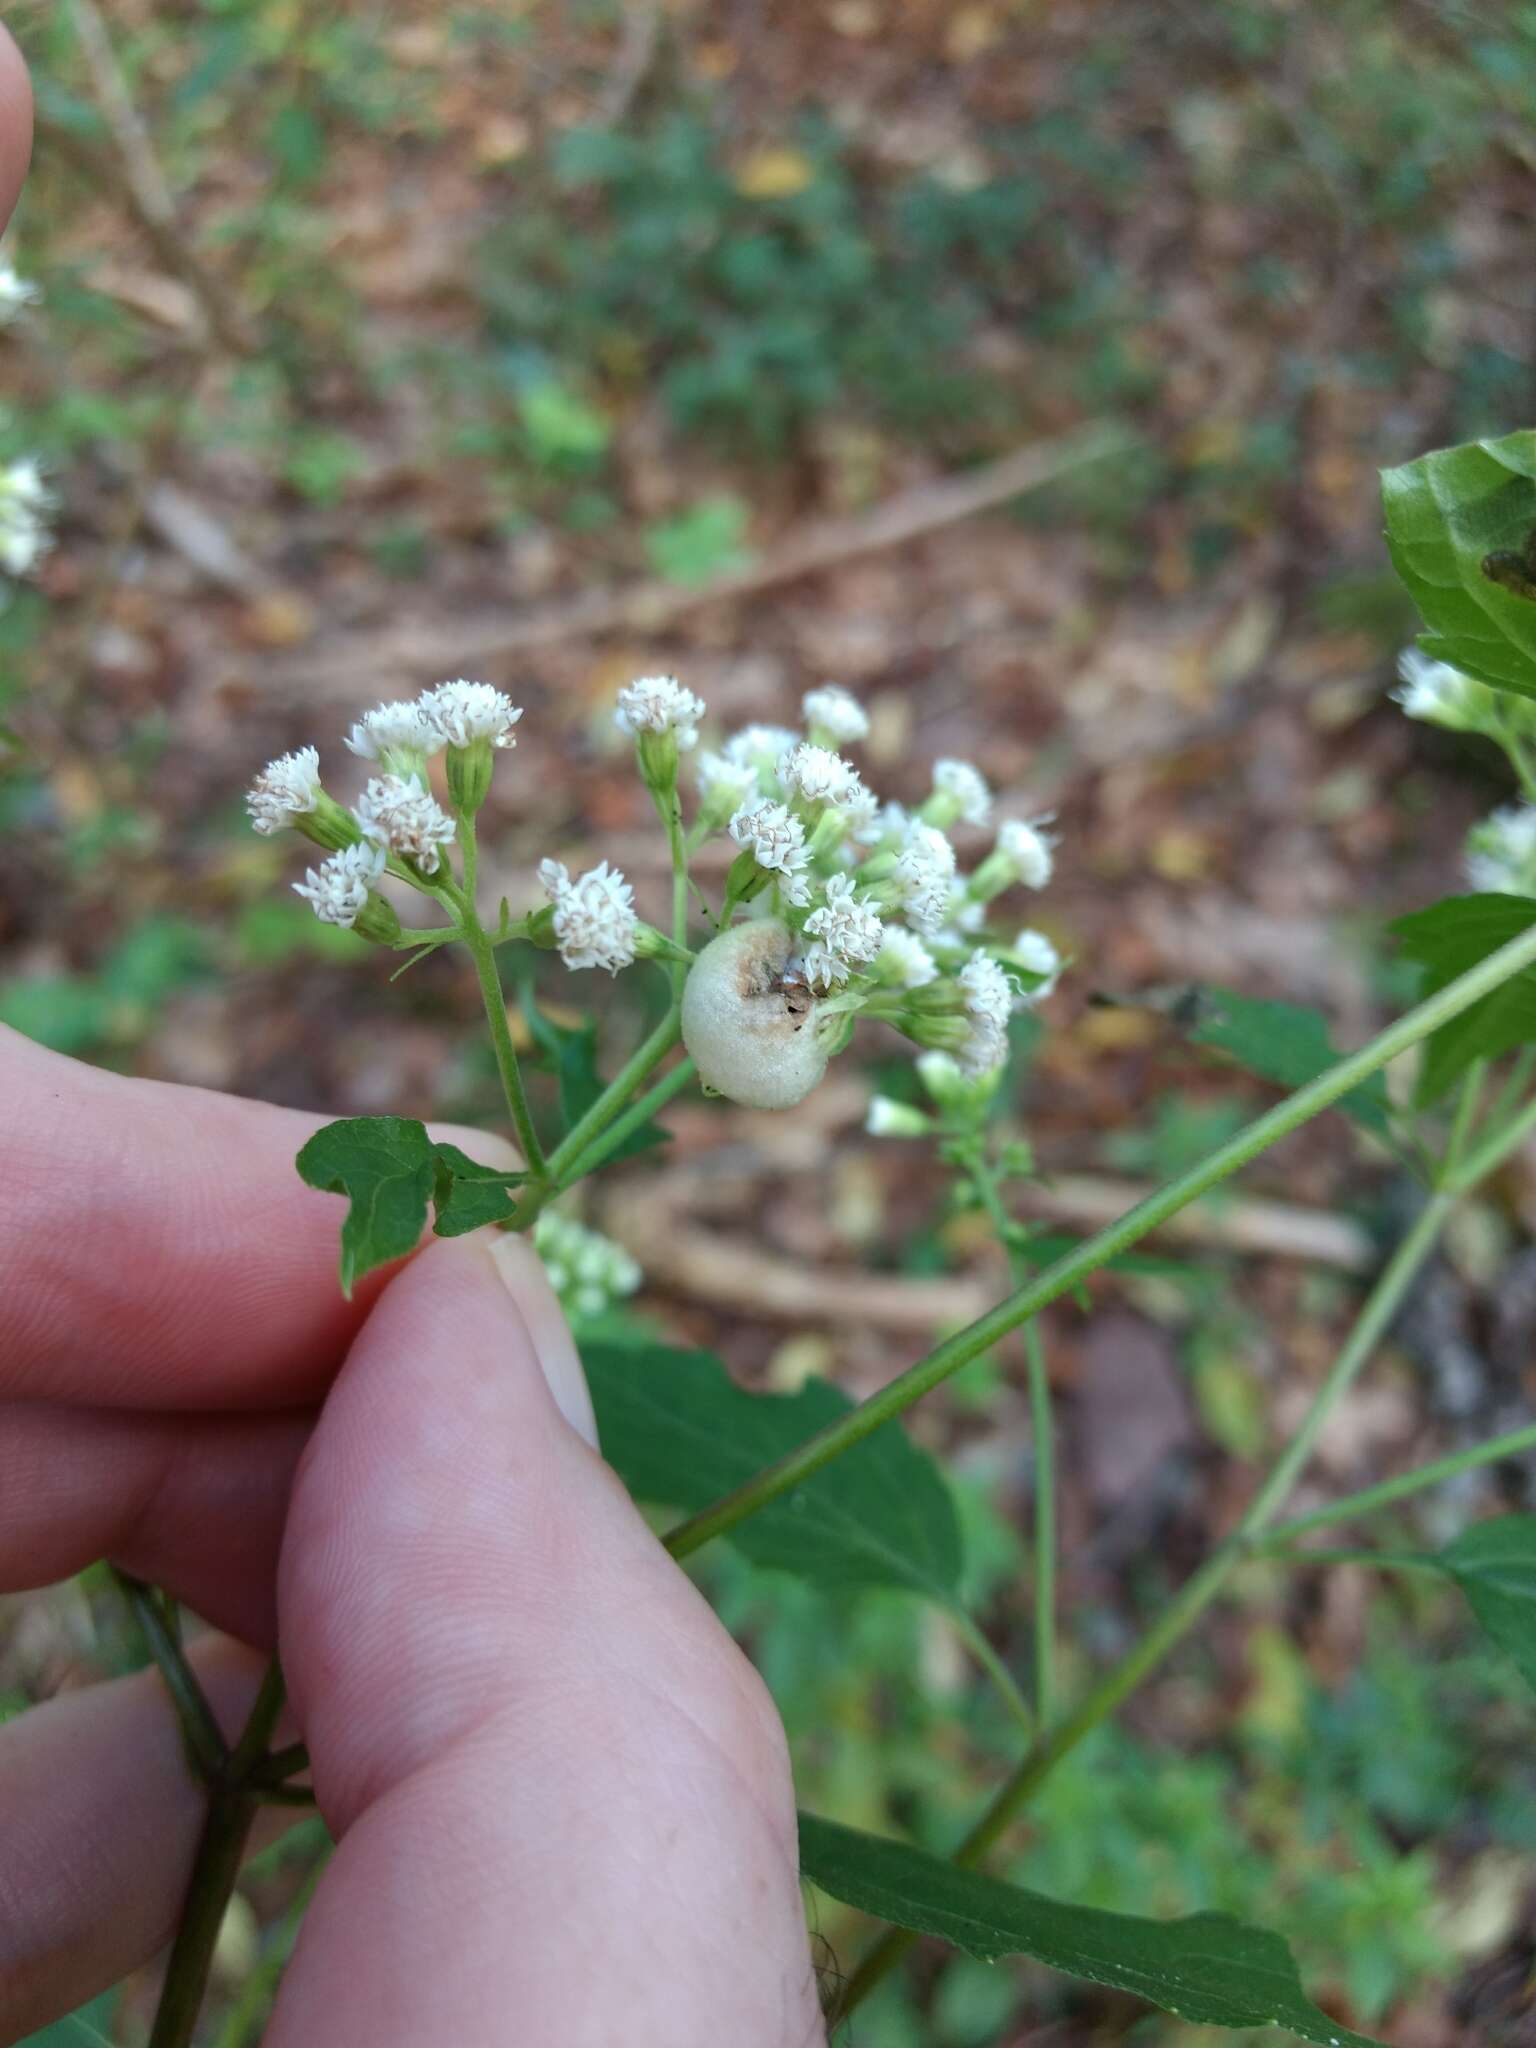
(245, 2017)
(1354, 1505)
(205, 1744)
(623, 1127)
(1043, 1431)
(1514, 1087)
(678, 847)
(231, 1809)
(283, 1763)
(1464, 1117)
(1384, 1560)
(494, 997)
(1520, 761)
(1193, 1597)
(980, 1646)
(1493, 1150)
(1069, 1271)
(649, 1053)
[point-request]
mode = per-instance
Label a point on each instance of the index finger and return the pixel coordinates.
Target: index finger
(157, 1248)
(15, 125)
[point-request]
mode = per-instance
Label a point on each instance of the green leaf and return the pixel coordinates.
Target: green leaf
(390, 1171)
(467, 1194)
(1208, 1968)
(573, 1050)
(1459, 529)
(1282, 1042)
(680, 1433)
(1494, 1563)
(386, 1167)
(1446, 940)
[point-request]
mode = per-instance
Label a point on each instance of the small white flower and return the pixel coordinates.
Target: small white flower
(725, 784)
(887, 1118)
(759, 747)
(15, 292)
(819, 966)
(966, 787)
(404, 819)
(818, 776)
(923, 872)
(833, 711)
(659, 704)
(459, 713)
(1501, 852)
(399, 728)
(1034, 952)
(904, 956)
(338, 889)
(283, 790)
(587, 1270)
(851, 930)
(775, 838)
(1440, 694)
(1027, 850)
(25, 502)
(989, 1004)
(595, 922)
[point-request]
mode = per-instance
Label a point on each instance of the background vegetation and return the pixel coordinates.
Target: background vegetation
(459, 315)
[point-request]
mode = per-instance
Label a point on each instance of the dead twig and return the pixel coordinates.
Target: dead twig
(143, 183)
(446, 646)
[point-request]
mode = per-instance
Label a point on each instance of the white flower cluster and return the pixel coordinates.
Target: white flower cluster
(402, 818)
(337, 890)
(453, 715)
(595, 922)
(25, 503)
(587, 1270)
(1501, 852)
(659, 704)
(285, 789)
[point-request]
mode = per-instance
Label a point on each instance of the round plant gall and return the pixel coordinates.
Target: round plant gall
(752, 1029)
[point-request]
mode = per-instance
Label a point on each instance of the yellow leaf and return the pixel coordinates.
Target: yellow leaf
(774, 173)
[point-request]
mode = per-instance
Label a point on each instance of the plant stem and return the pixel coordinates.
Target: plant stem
(283, 1763)
(205, 1744)
(231, 1809)
(637, 1114)
(1354, 1505)
(1493, 1150)
(1073, 1267)
(1465, 1116)
(1194, 1596)
(980, 1646)
(249, 2010)
(578, 1139)
(678, 847)
(1383, 1560)
(1043, 1432)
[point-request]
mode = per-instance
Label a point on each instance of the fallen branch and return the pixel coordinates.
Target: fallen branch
(447, 646)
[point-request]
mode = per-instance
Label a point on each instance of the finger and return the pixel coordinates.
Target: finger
(15, 125)
(192, 1503)
(161, 1251)
(101, 1820)
(561, 1791)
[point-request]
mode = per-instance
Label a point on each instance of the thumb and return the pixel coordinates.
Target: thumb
(561, 1794)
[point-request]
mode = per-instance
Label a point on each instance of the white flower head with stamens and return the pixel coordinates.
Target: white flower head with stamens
(337, 890)
(401, 728)
(1034, 953)
(905, 959)
(595, 922)
(775, 838)
(818, 776)
(924, 871)
(15, 292)
(659, 704)
(724, 784)
(399, 815)
(989, 997)
(819, 967)
(25, 502)
(850, 930)
(966, 788)
(461, 712)
(1027, 850)
(833, 711)
(1501, 852)
(284, 790)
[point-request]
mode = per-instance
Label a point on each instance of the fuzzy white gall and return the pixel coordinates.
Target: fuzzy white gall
(752, 1037)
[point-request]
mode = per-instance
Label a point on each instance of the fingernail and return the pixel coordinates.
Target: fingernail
(523, 1274)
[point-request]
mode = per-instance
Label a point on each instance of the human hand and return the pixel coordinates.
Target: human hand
(561, 1794)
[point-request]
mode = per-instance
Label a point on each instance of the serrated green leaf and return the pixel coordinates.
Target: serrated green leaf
(386, 1167)
(1494, 1564)
(467, 1194)
(1455, 520)
(1208, 1968)
(680, 1433)
(1447, 939)
(1282, 1042)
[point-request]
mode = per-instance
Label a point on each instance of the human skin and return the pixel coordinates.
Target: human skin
(560, 1793)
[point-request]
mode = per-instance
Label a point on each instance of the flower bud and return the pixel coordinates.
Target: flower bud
(469, 775)
(887, 1118)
